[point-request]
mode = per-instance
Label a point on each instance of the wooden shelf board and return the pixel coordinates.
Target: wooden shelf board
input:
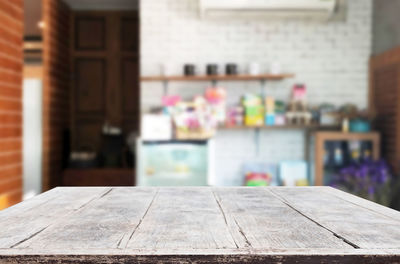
(99, 177)
(283, 127)
(338, 135)
(218, 78)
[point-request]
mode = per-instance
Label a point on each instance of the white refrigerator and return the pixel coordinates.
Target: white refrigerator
(175, 163)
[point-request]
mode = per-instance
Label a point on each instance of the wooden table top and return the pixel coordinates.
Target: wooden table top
(202, 225)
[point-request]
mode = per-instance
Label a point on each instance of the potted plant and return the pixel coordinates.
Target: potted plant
(368, 179)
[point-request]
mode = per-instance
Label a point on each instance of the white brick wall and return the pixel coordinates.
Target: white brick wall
(331, 58)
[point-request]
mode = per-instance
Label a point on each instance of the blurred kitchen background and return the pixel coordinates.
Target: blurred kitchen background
(200, 93)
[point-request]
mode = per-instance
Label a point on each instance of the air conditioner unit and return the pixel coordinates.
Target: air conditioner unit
(320, 9)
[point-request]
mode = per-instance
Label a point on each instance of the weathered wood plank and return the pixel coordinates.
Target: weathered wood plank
(34, 202)
(105, 223)
(30, 218)
(359, 226)
(385, 211)
(268, 223)
(183, 218)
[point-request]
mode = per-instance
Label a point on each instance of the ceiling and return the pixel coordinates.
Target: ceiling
(103, 4)
(33, 10)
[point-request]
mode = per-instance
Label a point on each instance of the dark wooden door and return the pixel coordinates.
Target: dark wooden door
(105, 75)
(384, 101)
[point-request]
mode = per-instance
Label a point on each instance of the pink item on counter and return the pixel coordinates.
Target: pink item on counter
(170, 100)
(215, 95)
(299, 92)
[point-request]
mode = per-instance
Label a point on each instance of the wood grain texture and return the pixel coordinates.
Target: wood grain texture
(56, 82)
(107, 222)
(28, 219)
(183, 218)
(199, 225)
(384, 92)
(11, 63)
(105, 68)
(266, 222)
(359, 226)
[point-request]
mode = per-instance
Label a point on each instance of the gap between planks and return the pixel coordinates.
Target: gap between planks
(94, 199)
(359, 204)
(240, 229)
(283, 200)
(123, 242)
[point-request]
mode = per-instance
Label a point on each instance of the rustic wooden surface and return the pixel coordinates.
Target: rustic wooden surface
(199, 225)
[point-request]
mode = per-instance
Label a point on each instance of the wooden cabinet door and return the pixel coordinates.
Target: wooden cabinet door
(384, 101)
(130, 89)
(106, 75)
(90, 80)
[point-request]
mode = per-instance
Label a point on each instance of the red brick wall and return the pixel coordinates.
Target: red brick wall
(56, 88)
(11, 63)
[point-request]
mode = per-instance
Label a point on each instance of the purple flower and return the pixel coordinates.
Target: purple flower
(366, 179)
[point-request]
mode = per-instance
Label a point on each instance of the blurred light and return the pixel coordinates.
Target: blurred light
(4, 202)
(41, 24)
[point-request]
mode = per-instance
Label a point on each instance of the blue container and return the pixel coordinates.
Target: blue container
(270, 119)
(360, 126)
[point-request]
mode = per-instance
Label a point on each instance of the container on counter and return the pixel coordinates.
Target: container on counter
(216, 99)
(366, 150)
(212, 69)
(355, 151)
(235, 116)
(260, 174)
(360, 126)
(280, 113)
(269, 111)
(275, 68)
(231, 69)
(189, 70)
(166, 69)
(280, 119)
(254, 68)
(270, 119)
(254, 110)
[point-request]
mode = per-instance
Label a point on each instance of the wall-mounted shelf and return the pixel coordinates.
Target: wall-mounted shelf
(283, 127)
(214, 79)
(262, 77)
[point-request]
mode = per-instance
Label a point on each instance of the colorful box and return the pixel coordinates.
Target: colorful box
(254, 110)
(270, 105)
(270, 119)
(253, 120)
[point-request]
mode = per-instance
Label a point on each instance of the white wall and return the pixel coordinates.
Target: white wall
(331, 58)
(32, 137)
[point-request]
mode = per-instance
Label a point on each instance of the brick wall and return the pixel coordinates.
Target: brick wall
(56, 87)
(11, 60)
(331, 58)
